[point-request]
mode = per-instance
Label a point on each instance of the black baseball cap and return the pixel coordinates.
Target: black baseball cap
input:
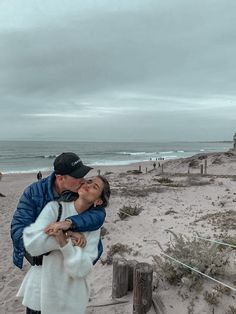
(70, 164)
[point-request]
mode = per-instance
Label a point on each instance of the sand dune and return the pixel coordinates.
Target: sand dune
(185, 206)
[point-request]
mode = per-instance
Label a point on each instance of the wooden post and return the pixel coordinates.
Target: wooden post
(201, 169)
(162, 168)
(120, 278)
(188, 170)
(99, 172)
(131, 267)
(142, 301)
(146, 169)
(205, 166)
(139, 168)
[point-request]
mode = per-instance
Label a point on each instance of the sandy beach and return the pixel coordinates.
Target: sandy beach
(173, 197)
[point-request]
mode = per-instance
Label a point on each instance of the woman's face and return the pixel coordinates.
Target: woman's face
(92, 189)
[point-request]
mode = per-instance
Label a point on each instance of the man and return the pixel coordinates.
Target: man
(62, 184)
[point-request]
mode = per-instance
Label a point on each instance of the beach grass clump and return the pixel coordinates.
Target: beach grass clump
(134, 171)
(127, 191)
(217, 161)
(223, 220)
(134, 192)
(197, 254)
(231, 310)
(104, 232)
(115, 249)
(211, 298)
(196, 181)
(127, 211)
(107, 173)
(193, 163)
(164, 180)
(227, 239)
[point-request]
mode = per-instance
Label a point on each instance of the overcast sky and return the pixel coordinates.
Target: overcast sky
(119, 70)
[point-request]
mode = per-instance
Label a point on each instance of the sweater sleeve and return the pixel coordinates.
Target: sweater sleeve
(78, 261)
(36, 241)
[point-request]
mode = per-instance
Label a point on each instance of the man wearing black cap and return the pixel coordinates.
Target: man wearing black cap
(62, 184)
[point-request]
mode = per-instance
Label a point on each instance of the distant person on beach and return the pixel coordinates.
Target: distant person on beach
(39, 175)
(59, 285)
(62, 185)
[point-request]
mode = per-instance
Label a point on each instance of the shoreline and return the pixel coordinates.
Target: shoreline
(30, 158)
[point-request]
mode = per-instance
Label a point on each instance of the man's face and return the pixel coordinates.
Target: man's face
(71, 183)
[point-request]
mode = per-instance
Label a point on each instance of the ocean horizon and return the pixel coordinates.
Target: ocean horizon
(32, 156)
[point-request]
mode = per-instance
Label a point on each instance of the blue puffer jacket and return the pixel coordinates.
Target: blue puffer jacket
(31, 203)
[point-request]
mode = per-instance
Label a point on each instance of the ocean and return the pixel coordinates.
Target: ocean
(32, 156)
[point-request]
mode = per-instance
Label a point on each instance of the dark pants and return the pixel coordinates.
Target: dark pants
(29, 311)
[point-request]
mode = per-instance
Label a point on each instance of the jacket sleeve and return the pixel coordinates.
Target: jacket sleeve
(90, 220)
(24, 215)
(36, 241)
(78, 262)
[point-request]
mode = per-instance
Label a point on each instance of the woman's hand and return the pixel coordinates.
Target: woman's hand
(77, 238)
(59, 236)
(56, 226)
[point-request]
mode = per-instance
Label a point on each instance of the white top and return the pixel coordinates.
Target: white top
(58, 286)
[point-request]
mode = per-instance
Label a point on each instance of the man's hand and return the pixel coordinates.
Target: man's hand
(77, 238)
(56, 226)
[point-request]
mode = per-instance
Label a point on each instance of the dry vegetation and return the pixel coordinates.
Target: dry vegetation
(210, 259)
(205, 257)
(223, 221)
(127, 211)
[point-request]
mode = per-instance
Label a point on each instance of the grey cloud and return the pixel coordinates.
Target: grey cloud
(123, 48)
(96, 63)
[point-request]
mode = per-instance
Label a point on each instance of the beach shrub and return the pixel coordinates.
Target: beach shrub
(193, 163)
(228, 154)
(217, 161)
(211, 298)
(115, 249)
(223, 220)
(164, 180)
(198, 254)
(108, 173)
(134, 172)
(197, 181)
(231, 310)
(104, 232)
(127, 211)
(170, 211)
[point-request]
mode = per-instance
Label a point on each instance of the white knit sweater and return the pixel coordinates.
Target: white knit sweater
(58, 286)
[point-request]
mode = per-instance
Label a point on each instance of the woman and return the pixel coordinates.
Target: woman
(59, 285)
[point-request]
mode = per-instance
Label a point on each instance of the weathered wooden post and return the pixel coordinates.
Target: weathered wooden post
(131, 267)
(162, 168)
(120, 278)
(201, 169)
(146, 169)
(205, 166)
(99, 172)
(140, 168)
(142, 300)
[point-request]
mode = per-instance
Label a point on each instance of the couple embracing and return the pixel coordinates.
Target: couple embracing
(56, 227)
